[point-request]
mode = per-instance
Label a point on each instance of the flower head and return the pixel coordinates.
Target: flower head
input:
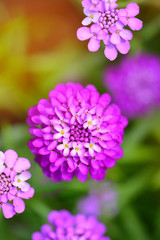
(135, 84)
(13, 185)
(101, 200)
(64, 226)
(76, 132)
(107, 25)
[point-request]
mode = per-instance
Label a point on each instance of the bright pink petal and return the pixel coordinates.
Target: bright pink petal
(80, 176)
(126, 34)
(110, 163)
(57, 127)
(86, 21)
(53, 157)
(19, 205)
(24, 186)
(95, 164)
(2, 157)
(66, 151)
(25, 176)
(44, 119)
(52, 145)
(37, 236)
(132, 9)
(59, 162)
(22, 164)
(57, 135)
(44, 151)
(26, 195)
(10, 158)
(84, 33)
(72, 165)
(135, 24)
(60, 147)
(122, 12)
(115, 38)
(83, 169)
(110, 52)
(38, 143)
(94, 44)
(95, 28)
(123, 47)
(8, 210)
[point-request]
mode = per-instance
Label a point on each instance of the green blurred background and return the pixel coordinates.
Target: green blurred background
(38, 49)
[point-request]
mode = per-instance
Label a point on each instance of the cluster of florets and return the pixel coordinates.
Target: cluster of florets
(64, 226)
(108, 25)
(102, 200)
(13, 185)
(135, 84)
(76, 132)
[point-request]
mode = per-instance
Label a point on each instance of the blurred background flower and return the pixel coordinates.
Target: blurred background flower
(67, 226)
(102, 200)
(135, 84)
(38, 49)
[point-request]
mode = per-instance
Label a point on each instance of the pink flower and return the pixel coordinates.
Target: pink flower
(76, 132)
(127, 17)
(13, 185)
(108, 26)
(91, 17)
(64, 226)
(65, 147)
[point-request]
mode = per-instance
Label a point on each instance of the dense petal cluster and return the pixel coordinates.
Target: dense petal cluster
(64, 226)
(102, 200)
(107, 24)
(135, 84)
(76, 132)
(13, 185)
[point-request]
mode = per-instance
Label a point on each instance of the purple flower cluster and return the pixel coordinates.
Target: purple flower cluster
(65, 226)
(135, 84)
(76, 132)
(102, 200)
(108, 26)
(13, 185)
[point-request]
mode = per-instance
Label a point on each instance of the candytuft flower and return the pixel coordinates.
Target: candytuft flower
(135, 84)
(102, 200)
(107, 25)
(76, 132)
(64, 226)
(13, 185)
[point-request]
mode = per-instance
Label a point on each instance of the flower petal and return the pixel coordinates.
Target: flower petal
(83, 169)
(25, 176)
(115, 38)
(123, 47)
(135, 24)
(2, 157)
(94, 44)
(19, 205)
(22, 164)
(110, 52)
(8, 210)
(10, 158)
(86, 21)
(126, 34)
(84, 33)
(132, 9)
(37, 236)
(24, 186)
(26, 195)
